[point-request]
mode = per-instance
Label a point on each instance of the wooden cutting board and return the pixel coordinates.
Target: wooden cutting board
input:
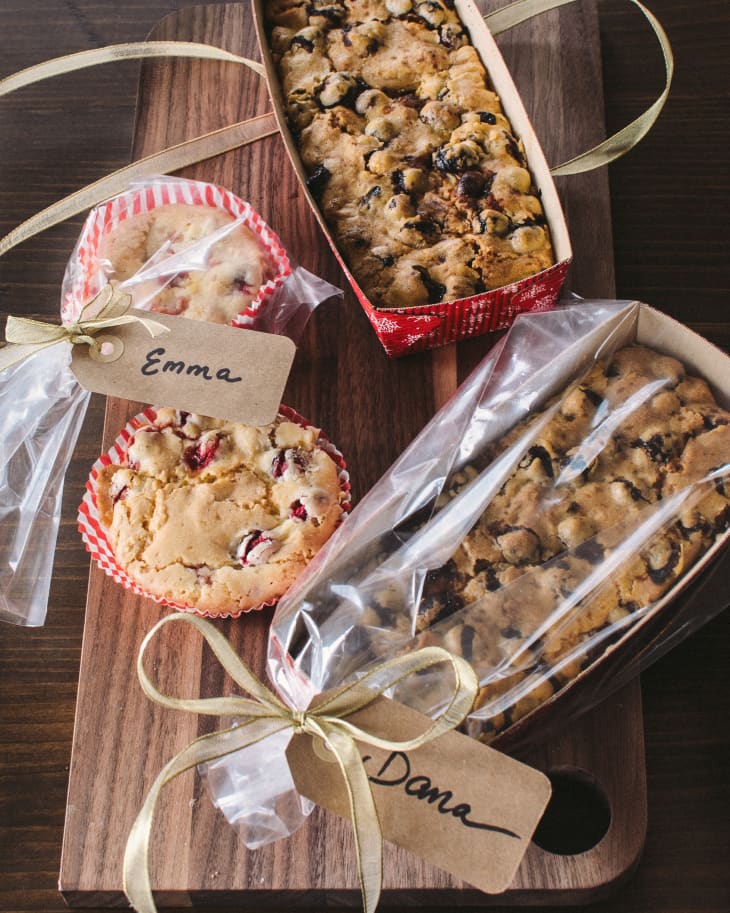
(371, 407)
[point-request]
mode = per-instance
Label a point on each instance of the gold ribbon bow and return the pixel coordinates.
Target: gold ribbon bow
(266, 715)
(25, 337)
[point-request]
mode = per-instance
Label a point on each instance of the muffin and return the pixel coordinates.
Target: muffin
(213, 516)
(195, 261)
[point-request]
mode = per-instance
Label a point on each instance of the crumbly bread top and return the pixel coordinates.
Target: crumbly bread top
(410, 156)
(197, 261)
(600, 460)
(219, 516)
(631, 433)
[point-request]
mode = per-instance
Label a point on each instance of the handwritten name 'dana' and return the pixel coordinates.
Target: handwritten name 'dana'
(396, 771)
(154, 364)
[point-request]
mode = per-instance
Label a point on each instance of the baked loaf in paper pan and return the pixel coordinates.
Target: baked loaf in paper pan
(538, 526)
(634, 434)
(414, 165)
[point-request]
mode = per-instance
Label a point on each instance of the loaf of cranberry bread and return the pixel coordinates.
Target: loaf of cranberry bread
(550, 575)
(413, 163)
(195, 261)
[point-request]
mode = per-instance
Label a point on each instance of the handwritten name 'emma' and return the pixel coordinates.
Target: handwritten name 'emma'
(396, 771)
(154, 364)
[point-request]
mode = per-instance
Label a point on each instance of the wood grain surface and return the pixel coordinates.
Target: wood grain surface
(177, 100)
(669, 236)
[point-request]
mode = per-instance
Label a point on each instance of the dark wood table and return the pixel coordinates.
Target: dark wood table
(669, 208)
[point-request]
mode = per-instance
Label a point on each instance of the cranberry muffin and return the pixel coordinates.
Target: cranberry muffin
(218, 516)
(195, 261)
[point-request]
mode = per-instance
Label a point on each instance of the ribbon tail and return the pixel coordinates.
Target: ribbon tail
(13, 354)
(25, 331)
(128, 51)
(165, 162)
(136, 876)
(153, 327)
(364, 814)
(83, 338)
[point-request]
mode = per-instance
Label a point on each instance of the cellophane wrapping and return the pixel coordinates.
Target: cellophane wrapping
(540, 526)
(43, 408)
(206, 259)
(192, 249)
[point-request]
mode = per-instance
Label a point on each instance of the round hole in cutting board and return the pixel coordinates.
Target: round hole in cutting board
(578, 814)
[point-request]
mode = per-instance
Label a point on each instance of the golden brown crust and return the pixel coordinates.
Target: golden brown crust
(216, 515)
(631, 434)
(413, 163)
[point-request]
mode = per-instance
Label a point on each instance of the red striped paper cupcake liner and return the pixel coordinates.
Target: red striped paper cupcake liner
(97, 542)
(85, 276)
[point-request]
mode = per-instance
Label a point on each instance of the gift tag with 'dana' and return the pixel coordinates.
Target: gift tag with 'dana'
(221, 371)
(455, 802)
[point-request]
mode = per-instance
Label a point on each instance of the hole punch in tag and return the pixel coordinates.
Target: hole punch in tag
(323, 752)
(221, 371)
(106, 349)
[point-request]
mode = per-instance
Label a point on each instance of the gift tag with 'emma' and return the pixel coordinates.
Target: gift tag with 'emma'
(455, 802)
(221, 371)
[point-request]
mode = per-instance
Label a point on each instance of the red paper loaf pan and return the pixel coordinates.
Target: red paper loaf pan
(406, 330)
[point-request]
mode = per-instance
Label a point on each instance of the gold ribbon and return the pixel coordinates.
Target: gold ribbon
(625, 139)
(220, 141)
(266, 715)
(133, 50)
(171, 159)
(25, 337)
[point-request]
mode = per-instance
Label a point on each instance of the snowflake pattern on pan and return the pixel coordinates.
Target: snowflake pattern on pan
(402, 332)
